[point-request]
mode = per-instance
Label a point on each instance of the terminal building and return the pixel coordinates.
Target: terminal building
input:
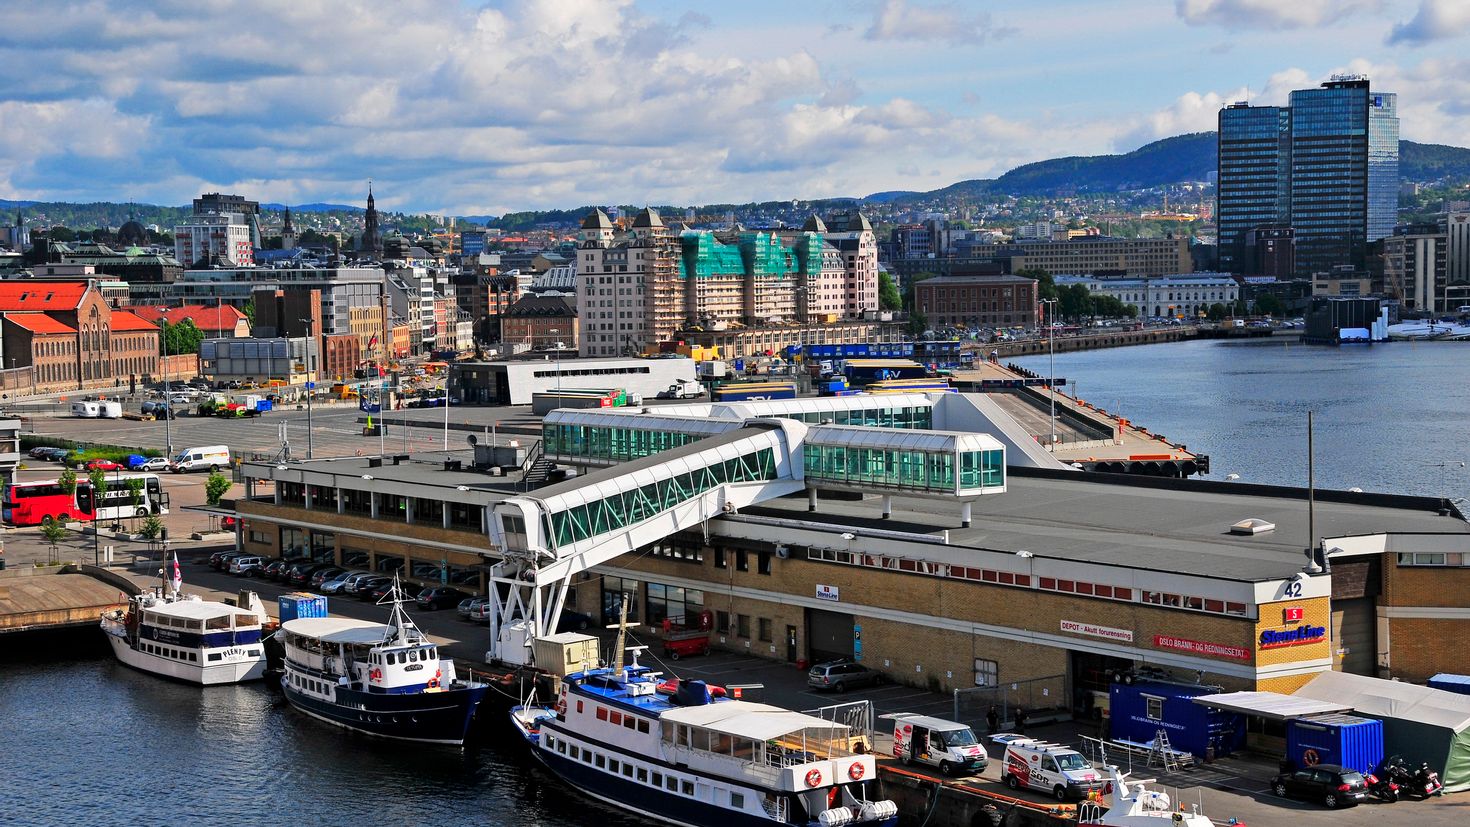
(902, 530)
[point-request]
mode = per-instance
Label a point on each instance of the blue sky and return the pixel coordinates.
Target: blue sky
(471, 108)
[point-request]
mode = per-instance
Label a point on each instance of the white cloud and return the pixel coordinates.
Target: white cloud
(903, 20)
(1270, 14)
(1436, 20)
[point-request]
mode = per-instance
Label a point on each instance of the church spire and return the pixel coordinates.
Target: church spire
(372, 240)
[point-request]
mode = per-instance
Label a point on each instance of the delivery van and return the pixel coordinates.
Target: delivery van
(1047, 768)
(950, 746)
(208, 458)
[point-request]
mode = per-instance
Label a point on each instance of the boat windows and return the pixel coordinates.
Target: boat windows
(193, 657)
(643, 726)
(737, 800)
(629, 722)
(672, 784)
(576, 752)
(658, 779)
(602, 713)
(612, 766)
(627, 770)
(586, 756)
(214, 656)
(687, 787)
(642, 775)
(601, 760)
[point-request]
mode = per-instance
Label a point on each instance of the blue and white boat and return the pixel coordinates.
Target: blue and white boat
(187, 638)
(690, 758)
(381, 679)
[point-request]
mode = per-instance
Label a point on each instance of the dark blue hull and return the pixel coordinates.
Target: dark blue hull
(657, 803)
(435, 717)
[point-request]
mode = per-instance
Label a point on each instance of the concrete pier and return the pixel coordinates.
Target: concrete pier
(56, 597)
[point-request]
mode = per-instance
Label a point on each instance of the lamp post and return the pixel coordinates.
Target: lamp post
(310, 385)
(1051, 367)
(168, 411)
(557, 345)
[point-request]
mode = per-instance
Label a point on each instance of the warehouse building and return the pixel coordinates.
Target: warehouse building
(858, 527)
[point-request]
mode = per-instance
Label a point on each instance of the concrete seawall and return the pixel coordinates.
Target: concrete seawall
(1034, 347)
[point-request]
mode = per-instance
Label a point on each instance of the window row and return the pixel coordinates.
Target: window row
(172, 653)
(636, 772)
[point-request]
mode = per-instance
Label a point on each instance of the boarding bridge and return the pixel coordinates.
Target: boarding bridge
(667, 474)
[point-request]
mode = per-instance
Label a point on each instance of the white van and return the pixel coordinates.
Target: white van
(208, 458)
(90, 410)
(109, 410)
(1047, 768)
(950, 746)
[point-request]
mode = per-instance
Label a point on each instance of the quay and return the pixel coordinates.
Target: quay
(59, 597)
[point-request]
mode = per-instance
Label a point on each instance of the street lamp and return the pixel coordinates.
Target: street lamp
(168, 410)
(310, 385)
(557, 345)
(1051, 367)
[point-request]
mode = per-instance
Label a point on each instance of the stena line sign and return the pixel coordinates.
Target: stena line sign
(1301, 635)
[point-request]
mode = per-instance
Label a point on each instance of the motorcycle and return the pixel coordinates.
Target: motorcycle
(1382, 788)
(1421, 783)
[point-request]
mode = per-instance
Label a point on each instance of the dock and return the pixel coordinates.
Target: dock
(939, 801)
(58, 597)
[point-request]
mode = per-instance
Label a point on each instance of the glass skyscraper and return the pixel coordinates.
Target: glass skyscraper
(1327, 166)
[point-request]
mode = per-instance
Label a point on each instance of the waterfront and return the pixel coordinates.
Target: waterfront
(1386, 416)
(124, 747)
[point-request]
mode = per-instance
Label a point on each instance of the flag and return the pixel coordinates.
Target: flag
(178, 578)
(373, 342)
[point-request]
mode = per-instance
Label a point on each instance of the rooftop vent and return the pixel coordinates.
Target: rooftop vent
(375, 462)
(1252, 526)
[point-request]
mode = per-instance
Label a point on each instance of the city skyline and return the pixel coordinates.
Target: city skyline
(526, 105)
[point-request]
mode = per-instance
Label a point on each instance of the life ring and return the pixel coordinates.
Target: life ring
(814, 778)
(375, 675)
(855, 771)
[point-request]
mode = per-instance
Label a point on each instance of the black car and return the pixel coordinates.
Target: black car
(570, 620)
(373, 588)
(220, 560)
(439, 597)
(1333, 785)
(841, 675)
(301, 572)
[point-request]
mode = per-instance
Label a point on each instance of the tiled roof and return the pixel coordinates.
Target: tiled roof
(24, 294)
(38, 323)
(124, 320)
(205, 317)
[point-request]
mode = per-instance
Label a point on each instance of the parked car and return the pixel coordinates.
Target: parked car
(438, 597)
(334, 585)
(39, 451)
(468, 606)
(1333, 785)
(102, 465)
(301, 572)
(373, 588)
(321, 576)
(571, 621)
(220, 560)
(841, 675)
(149, 464)
(352, 581)
(244, 566)
(274, 569)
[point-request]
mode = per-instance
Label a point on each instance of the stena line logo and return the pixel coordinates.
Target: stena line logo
(1272, 639)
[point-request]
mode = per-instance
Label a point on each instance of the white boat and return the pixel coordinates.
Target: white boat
(187, 638)
(1135, 805)
(689, 758)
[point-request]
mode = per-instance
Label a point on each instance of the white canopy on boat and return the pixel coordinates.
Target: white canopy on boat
(339, 630)
(196, 609)
(743, 719)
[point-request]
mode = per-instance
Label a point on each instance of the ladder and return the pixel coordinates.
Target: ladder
(1164, 752)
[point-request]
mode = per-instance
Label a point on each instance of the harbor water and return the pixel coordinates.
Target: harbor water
(89, 741)
(1389, 417)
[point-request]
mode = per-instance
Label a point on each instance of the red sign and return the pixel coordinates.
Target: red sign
(1200, 647)
(1292, 614)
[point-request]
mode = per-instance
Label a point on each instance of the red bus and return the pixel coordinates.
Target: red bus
(29, 503)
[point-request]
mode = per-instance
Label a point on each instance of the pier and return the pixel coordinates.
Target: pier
(58, 597)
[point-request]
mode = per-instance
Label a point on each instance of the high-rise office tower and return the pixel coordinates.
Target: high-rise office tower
(1326, 166)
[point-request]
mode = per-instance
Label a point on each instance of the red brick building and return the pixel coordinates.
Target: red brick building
(220, 321)
(340, 356)
(977, 301)
(73, 339)
(540, 322)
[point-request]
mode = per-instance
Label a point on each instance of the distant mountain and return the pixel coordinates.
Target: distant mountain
(1169, 161)
(890, 195)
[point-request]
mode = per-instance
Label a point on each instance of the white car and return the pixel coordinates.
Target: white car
(334, 586)
(151, 464)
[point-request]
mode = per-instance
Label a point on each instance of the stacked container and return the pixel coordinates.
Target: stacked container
(302, 604)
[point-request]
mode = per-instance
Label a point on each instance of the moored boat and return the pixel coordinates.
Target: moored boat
(693, 758)
(386, 680)
(186, 638)
(1135, 805)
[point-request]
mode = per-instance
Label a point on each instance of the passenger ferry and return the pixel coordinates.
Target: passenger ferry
(380, 679)
(681, 754)
(189, 639)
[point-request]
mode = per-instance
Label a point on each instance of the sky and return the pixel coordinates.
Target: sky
(471, 108)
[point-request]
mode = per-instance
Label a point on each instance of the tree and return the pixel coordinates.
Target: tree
(908, 291)
(249, 311)
(1046, 287)
(1111, 307)
(183, 337)
(1267, 304)
(98, 478)
(152, 527)
(215, 488)
(135, 492)
(68, 482)
(53, 532)
(1074, 301)
(1218, 312)
(888, 296)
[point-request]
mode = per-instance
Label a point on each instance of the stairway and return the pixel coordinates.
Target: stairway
(537, 474)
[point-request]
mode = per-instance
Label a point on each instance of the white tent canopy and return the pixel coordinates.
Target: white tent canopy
(1273, 705)
(1391, 699)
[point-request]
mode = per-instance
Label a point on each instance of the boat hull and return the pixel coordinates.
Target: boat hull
(658, 804)
(429, 717)
(217, 674)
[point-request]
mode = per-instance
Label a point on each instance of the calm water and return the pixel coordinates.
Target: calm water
(1386, 416)
(90, 742)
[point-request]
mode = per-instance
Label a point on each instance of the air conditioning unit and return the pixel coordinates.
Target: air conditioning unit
(783, 552)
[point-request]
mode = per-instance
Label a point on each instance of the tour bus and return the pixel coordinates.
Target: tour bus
(32, 503)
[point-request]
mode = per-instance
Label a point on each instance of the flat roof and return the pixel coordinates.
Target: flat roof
(1090, 518)
(1273, 705)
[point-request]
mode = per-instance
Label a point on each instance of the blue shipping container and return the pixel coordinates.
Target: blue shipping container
(1139, 710)
(302, 604)
(1450, 683)
(1353, 742)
